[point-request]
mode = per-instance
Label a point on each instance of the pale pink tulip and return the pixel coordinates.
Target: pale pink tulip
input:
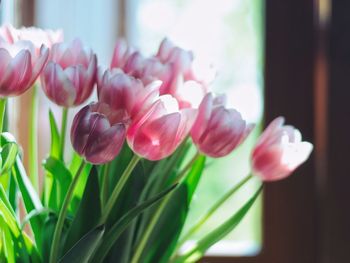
(156, 133)
(279, 151)
(20, 66)
(125, 94)
(36, 35)
(121, 54)
(69, 77)
(217, 131)
(97, 134)
(188, 93)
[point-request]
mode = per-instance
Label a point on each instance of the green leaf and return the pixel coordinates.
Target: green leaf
(30, 198)
(83, 249)
(3, 198)
(88, 213)
(129, 198)
(219, 233)
(118, 228)
(162, 241)
(61, 175)
(55, 137)
(9, 151)
(16, 240)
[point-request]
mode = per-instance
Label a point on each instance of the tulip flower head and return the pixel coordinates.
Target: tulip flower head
(121, 54)
(156, 133)
(126, 94)
(36, 35)
(97, 133)
(20, 66)
(217, 131)
(279, 151)
(69, 77)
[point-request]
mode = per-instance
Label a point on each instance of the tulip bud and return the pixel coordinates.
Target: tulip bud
(217, 131)
(279, 151)
(20, 65)
(97, 133)
(156, 133)
(69, 77)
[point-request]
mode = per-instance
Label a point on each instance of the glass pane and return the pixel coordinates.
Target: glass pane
(229, 34)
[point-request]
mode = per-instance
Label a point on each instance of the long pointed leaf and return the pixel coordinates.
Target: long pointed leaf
(88, 213)
(60, 174)
(30, 197)
(83, 249)
(164, 237)
(220, 232)
(118, 228)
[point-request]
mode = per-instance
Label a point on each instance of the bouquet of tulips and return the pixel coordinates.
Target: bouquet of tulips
(140, 149)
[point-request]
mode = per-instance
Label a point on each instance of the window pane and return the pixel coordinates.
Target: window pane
(229, 34)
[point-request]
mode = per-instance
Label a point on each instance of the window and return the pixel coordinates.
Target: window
(305, 218)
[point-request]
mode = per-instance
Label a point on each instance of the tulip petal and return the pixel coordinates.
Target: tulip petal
(107, 145)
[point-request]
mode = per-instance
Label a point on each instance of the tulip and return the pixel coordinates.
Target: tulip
(279, 151)
(20, 66)
(97, 133)
(125, 94)
(69, 77)
(217, 131)
(36, 35)
(156, 133)
(39, 36)
(121, 54)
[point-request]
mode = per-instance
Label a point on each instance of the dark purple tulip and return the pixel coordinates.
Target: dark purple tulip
(97, 133)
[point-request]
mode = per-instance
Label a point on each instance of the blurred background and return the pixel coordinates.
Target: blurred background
(272, 58)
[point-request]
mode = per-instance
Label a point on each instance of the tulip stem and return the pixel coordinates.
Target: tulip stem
(118, 188)
(188, 166)
(62, 215)
(2, 113)
(63, 132)
(105, 184)
(213, 209)
(33, 140)
(145, 236)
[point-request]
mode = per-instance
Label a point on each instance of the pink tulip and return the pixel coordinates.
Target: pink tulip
(217, 131)
(69, 77)
(149, 70)
(36, 35)
(185, 63)
(20, 66)
(156, 133)
(279, 151)
(188, 93)
(39, 36)
(97, 133)
(121, 54)
(7, 34)
(126, 94)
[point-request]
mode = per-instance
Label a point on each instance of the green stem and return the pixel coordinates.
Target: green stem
(2, 113)
(105, 184)
(118, 188)
(145, 236)
(213, 209)
(188, 166)
(141, 246)
(33, 140)
(62, 215)
(63, 132)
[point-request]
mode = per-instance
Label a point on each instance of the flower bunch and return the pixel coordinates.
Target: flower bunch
(125, 194)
